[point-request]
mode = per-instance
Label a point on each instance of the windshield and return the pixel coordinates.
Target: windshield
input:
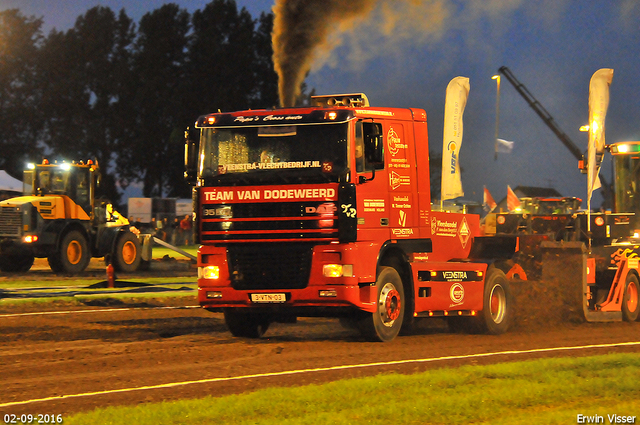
(51, 180)
(627, 197)
(271, 154)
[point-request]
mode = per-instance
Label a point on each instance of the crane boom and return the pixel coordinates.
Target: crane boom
(539, 109)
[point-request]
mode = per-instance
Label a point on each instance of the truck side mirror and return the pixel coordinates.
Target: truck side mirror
(190, 155)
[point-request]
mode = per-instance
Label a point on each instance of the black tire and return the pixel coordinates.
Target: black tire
(629, 306)
(16, 263)
(246, 325)
(385, 323)
(54, 263)
(495, 317)
(127, 255)
(73, 255)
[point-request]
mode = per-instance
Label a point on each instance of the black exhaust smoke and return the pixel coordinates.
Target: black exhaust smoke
(300, 28)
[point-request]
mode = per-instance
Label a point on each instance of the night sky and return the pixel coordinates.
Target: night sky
(404, 54)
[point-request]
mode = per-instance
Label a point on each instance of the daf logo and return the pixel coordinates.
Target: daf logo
(328, 208)
(456, 293)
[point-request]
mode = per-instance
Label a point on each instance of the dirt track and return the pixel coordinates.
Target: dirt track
(102, 349)
(99, 349)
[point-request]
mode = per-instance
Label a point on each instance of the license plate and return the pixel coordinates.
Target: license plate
(268, 298)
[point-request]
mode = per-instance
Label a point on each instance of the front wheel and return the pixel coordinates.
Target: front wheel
(73, 255)
(16, 263)
(385, 323)
(630, 308)
(246, 325)
(496, 313)
(126, 257)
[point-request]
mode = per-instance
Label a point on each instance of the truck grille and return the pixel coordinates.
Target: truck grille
(10, 221)
(269, 266)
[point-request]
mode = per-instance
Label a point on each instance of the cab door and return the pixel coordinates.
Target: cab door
(371, 181)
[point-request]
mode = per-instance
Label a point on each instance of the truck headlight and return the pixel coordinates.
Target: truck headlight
(209, 272)
(337, 270)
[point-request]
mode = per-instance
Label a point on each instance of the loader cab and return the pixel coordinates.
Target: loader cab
(76, 181)
(626, 162)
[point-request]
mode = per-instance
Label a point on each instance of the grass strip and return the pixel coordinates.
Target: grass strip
(550, 391)
(81, 293)
(85, 282)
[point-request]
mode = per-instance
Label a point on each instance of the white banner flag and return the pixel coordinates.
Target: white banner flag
(504, 146)
(455, 102)
(598, 104)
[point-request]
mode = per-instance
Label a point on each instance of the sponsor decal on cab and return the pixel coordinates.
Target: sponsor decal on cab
(456, 293)
(267, 195)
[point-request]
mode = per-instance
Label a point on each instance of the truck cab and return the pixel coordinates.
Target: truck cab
(326, 210)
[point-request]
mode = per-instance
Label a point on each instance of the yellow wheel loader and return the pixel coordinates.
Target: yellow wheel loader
(60, 218)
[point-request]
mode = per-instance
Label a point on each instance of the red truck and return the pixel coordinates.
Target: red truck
(326, 211)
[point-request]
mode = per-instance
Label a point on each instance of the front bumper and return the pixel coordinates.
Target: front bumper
(361, 297)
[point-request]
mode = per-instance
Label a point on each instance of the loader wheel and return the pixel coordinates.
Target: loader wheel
(73, 256)
(385, 323)
(54, 263)
(496, 313)
(246, 325)
(630, 308)
(126, 257)
(16, 263)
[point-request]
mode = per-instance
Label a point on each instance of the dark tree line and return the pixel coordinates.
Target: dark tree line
(123, 92)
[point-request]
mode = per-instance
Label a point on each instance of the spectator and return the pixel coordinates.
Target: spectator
(166, 229)
(160, 234)
(185, 227)
(176, 232)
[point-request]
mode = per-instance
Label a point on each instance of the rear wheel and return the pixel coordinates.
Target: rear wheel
(495, 316)
(246, 325)
(385, 323)
(16, 263)
(126, 257)
(73, 255)
(630, 308)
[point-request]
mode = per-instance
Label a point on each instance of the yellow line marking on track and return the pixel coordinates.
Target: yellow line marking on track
(322, 369)
(43, 313)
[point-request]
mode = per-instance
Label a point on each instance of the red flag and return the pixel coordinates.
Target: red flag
(487, 201)
(513, 203)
